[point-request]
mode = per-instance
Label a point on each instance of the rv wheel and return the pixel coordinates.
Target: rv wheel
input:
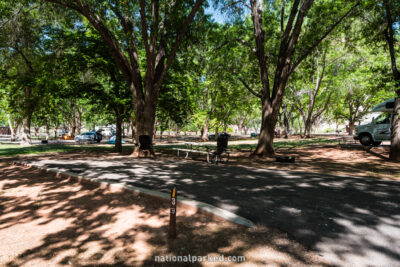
(366, 140)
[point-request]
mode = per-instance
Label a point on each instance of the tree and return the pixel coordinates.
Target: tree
(19, 42)
(128, 26)
(310, 91)
(292, 36)
(382, 18)
(390, 39)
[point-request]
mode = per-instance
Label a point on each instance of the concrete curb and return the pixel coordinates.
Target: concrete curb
(197, 206)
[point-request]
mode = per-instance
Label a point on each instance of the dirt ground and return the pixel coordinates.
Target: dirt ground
(328, 159)
(332, 160)
(47, 221)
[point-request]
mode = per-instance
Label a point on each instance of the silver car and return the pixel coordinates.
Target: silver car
(88, 137)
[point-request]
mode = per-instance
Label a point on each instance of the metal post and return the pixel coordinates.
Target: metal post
(172, 216)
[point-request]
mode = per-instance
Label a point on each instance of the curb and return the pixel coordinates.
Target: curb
(196, 206)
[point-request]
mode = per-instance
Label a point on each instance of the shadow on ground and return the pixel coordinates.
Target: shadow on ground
(348, 220)
(47, 220)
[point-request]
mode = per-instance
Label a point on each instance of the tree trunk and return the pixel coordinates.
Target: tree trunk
(300, 127)
(286, 123)
(204, 132)
(118, 134)
(132, 123)
(55, 132)
(73, 130)
(216, 133)
(79, 121)
(26, 135)
(145, 114)
(352, 126)
(47, 131)
(395, 130)
(240, 127)
(37, 128)
(265, 145)
(307, 130)
(12, 129)
(395, 133)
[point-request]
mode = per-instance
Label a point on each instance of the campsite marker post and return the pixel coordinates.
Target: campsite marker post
(172, 216)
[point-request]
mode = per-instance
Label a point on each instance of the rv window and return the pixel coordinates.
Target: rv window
(389, 105)
(384, 118)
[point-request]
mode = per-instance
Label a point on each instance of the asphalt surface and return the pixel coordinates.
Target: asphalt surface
(348, 220)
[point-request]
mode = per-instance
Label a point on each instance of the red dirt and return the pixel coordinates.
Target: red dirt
(328, 159)
(46, 221)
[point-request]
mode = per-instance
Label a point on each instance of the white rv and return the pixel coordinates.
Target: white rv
(378, 129)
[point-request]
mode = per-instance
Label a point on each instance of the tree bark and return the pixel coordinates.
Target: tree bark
(286, 122)
(145, 113)
(37, 128)
(395, 133)
(204, 132)
(55, 131)
(216, 133)
(118, 134)
(47, 131)
(12, 129)
(26, 134)
(26, 122)
(395, 130)
(352, 126)
(132, 123)
(73, 130)
(265, 145)
(307, 130)
(240, 127)
(79, 120)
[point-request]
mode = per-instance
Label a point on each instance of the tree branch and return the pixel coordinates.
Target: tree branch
(256, 14)
(248, 88)
(178, 41)
(317, 42)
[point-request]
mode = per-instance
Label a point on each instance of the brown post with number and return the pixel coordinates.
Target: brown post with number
(172, 216)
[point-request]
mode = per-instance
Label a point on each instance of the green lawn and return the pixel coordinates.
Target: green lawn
(277, 144)
(10, 150)
(290, 144)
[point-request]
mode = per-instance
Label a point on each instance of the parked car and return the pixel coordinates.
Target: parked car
(89, 136)
(254, 134)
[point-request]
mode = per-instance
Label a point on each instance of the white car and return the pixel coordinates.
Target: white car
(89, 136)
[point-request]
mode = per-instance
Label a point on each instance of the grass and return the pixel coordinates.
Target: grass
(278, 144)
(12, 150)
(289, 144)
(7, 150)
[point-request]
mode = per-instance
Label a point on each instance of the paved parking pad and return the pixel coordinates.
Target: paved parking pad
(348, 220)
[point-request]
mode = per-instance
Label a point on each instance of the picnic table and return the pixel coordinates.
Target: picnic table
(221, 154)
(193, 147)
